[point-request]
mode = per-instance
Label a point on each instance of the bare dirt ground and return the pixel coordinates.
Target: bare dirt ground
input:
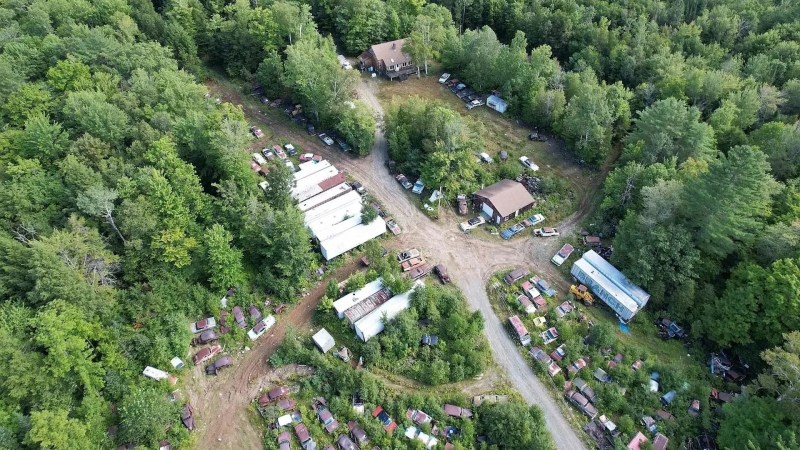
(471, 260)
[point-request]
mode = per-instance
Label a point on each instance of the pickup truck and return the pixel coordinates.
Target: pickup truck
(441, 272)
(405, 255)
(393, 226)
(411, 263)
(403, 181)
(419, 271)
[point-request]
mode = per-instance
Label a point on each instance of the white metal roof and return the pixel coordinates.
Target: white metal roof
(309, 168)
(352, 238)
(328, 230)
(303, 186)
(324, 340)
(372, 324)
(327, 207)
(625, 300)
(618, 278)
(334, 217)
(324, 197)
(353, 298)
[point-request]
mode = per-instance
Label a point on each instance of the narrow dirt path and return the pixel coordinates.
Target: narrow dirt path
(222, 403)
(471, 259)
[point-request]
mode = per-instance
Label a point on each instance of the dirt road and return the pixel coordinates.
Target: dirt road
(471, 259)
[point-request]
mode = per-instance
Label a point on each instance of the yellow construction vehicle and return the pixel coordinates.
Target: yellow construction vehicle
(581, 292)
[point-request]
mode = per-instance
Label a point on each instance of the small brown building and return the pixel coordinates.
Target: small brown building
(388, 59)
(503, 201)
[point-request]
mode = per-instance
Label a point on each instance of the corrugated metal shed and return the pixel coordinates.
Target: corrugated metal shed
(328, 231)
(372, 324)
(337, 203)
(334, 217)
(353, 298)
(309, 168)
(323, 197)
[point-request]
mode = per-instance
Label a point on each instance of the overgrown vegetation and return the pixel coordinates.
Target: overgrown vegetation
(127, 206)
(512, 425)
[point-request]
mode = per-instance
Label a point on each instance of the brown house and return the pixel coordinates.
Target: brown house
(503, 201)
(388, 59)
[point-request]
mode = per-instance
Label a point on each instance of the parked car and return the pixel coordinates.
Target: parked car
(278, 392)
(441, 272)
(279, 151)
(418, 186)
(443, 79)
(462, 204)
(203, 325)
(306, 157)
(485, 157)
(310, 129)
(343, 146)
(261, 327)
(216, 366)
(187, 416)
(405, 255)
(545, 232)
(268, 154)
(472, 223)
(257, 132)
(358, 187)
(581, 403)
(290, 149)
(205, 354)
(326, 139)
(528, 163)
(585, 389)
(259, 159)
(419, 271)
(285, 441)
(535, 136)
(238, 317)
(205, 337)
(255, 314)
(407, 265)
(403, 181)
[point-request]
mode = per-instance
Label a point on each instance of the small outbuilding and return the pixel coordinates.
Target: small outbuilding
(323, 340)
(503, 201)
(497, 104)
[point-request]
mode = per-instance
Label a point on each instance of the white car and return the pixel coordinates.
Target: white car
(528, 163)
(261, 328)
(443, 79)
(545, 232)
(326, 139)
(259, 159)
(472, 223)
(203, 325)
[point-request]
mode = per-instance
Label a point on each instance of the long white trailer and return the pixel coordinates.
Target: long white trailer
(328, 231)
(312, 181)
(351, 238)
(333, 205)
(319, 199)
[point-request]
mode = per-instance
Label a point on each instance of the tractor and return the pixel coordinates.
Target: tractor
(581, 292)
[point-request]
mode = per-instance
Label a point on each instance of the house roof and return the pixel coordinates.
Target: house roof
(390, 53)
(637, 441)
(660, 442)
(506, 196)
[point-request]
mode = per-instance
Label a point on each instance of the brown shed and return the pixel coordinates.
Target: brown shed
(503, 201)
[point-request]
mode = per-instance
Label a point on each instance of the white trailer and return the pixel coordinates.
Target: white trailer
(352, 238)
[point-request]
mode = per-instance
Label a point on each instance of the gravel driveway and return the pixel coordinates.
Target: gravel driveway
(471, 260)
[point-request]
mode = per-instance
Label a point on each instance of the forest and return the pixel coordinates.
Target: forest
(128, 206)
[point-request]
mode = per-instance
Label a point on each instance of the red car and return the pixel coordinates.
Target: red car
(238, 317)
(205, 354)
(278, 392)
(257, 132)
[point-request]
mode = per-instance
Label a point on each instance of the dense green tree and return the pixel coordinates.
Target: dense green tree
(145, 413)
(360, 23)
(54, 429)
(669, 129)
(357, 126)
(225, 261)
(279, 185)
(514, 426)
(724, 205)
